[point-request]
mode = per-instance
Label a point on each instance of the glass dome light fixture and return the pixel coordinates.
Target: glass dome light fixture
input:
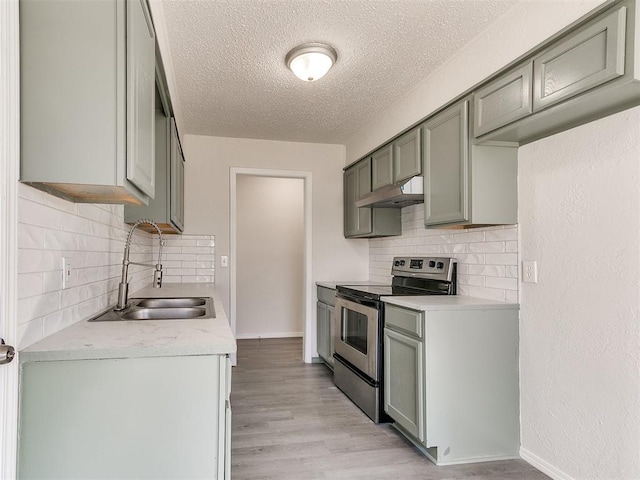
(311, 61)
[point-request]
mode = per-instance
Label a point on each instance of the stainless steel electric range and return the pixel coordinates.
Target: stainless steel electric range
(359, 352)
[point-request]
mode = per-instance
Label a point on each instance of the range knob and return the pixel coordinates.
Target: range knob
(432, 264)
(440, 266)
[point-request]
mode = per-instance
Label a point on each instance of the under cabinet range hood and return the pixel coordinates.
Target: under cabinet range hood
(398, 195)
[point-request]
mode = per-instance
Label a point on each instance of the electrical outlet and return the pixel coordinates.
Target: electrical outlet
(224, 261)
(66, 273)
(530, 271)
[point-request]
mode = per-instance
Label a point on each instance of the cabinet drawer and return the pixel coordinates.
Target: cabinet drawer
(506, 99)
(404, 320)
(590, 57)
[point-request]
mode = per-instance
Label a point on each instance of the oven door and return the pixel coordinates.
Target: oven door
(356, 335)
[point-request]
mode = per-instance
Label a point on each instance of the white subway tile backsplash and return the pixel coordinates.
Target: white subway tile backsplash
(487, 257)
(30, 236)
(30, 284)
(38, 214)
(188, 258)
(502, 258)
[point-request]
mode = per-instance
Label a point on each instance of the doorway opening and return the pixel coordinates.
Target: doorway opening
(270, 255)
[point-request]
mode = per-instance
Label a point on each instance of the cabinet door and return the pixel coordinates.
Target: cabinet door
(407, 159)
(176, 198)
(141, 67)
(505, 100)
(404, 382)
(591, 56)
(350, 197)
(365, 220)
(382, 167)
(446, 166)
(323, 330)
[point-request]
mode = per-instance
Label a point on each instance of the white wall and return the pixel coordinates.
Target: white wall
(208, 160)
(580, 324)
(270, 251)
(579, 202)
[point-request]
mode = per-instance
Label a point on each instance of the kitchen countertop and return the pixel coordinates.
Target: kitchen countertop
(448, 302)
(141, 338)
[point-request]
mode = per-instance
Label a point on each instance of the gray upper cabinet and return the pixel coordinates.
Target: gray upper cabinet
(407, 158)
(141, 67)
(585, 59)
(466, 184)
(586, 72)
(176, 184)
(167, 207)
(446, 166)
(87, 99)
(382, 167)
(366, 222)
(502, 101)
(397, 161)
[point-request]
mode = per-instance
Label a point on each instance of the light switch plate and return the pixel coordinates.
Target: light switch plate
(224, 261)
(530, 271)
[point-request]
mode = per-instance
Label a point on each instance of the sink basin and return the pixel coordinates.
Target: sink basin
(160, 309)
(164, 313)
(171, 302)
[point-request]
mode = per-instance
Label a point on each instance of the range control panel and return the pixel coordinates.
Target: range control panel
(440, 267)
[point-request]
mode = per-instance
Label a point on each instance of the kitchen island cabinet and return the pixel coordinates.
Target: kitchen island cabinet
(87, 73)
(451, 376)
(129, 399)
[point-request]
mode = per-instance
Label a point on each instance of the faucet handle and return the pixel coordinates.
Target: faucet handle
(157, 276)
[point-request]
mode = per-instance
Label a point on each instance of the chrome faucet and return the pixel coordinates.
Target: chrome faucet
(123, 289)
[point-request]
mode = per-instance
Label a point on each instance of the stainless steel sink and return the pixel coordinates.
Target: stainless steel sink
(164, 313)
(170, 302)
(160, 309)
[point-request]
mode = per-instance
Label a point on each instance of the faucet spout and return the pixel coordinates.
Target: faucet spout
(123, 288)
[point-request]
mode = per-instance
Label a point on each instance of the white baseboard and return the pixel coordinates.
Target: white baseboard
(544, 466)
(248, 336)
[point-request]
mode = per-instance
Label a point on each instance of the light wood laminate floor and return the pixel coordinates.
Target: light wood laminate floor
(291, 422)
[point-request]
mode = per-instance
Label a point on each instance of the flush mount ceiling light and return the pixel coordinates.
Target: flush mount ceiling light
(311, 61)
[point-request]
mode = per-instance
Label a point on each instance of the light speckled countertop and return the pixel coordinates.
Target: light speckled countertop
(448, 302)
(141, 338)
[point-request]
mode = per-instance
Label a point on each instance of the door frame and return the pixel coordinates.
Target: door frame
(9, 166)
(308, 349)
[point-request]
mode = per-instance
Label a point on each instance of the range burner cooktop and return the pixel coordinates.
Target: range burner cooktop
(411, 276)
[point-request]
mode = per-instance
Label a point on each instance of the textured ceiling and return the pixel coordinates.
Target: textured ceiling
(228, 57)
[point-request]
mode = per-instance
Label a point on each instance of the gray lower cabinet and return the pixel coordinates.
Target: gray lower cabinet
(451, 380)
(404, 374)
(586, 73)
(87, 99)
(161, 417)
(326, 319)
(466, 184)
(366, 222)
